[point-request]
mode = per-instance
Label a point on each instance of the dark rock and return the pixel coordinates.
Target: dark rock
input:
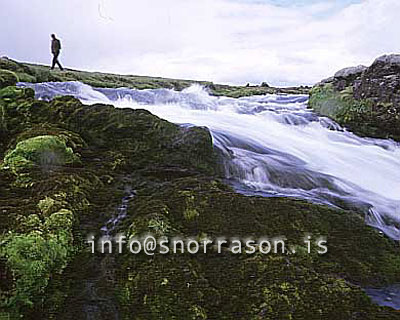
(351, 72)
(366, 99)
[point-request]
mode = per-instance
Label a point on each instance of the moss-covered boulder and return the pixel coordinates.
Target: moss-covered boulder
(42, 151)
(7, 78)
(365, 100)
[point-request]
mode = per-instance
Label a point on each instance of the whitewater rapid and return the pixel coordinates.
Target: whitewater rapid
(273, 145)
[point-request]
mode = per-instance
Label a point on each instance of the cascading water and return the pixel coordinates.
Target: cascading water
(118, 216)
(274, 146)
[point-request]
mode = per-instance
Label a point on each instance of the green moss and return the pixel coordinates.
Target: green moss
(31, 258)
(159, 225)
(360, 116)
(326, 101)
(40, 151)
(291, 286)
(60, 220)
(13, 93)
(10, 93)
(155, 220)
(7, 78)
(190, 212)
(32, 223)
(24, 77)
(43, 243)
(48, 205)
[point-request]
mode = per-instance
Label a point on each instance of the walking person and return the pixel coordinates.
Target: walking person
(55, 50)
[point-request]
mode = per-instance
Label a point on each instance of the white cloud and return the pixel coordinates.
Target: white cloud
(220, 40)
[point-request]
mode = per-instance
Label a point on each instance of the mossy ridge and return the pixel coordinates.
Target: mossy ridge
(255, 286)
(139, 132)
(37, 73)
(111, 142)
(215, 205)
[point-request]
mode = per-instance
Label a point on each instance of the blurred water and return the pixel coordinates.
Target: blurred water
(274, 146)
(387, 296)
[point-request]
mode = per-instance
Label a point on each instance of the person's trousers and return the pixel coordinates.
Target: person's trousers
(55, 61)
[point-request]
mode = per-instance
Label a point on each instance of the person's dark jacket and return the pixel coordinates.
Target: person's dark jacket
(55, 46)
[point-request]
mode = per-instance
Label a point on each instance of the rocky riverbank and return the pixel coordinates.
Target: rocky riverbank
(66, 166)
(366, 100)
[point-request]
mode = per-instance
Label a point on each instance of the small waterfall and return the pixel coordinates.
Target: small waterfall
(118, 216)
(273, 145)
(97, 304)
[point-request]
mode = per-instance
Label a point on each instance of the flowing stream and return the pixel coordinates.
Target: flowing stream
(273, 145)
(118, 216)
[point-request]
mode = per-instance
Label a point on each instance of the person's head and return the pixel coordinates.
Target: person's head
(53, 36)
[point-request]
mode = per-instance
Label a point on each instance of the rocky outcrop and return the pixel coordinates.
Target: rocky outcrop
(364, 99)
(61, 165)
(350, 72)
(380, 83)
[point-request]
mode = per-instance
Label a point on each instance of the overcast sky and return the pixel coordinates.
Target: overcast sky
(282, 42)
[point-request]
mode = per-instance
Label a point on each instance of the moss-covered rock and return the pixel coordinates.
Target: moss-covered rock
(31, 258)
(45, 207)
(7, 78)
(251, 286)
(60, 220)
(43, 151)
(367, 101)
